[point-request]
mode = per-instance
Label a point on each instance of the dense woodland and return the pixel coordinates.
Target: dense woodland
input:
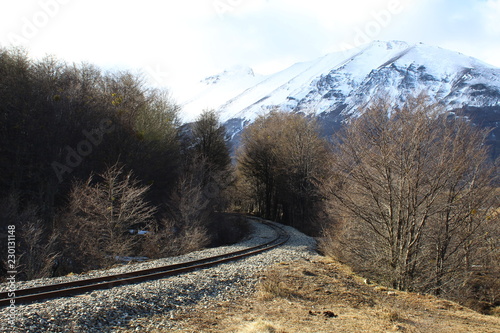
(407, 197)
(87, 156)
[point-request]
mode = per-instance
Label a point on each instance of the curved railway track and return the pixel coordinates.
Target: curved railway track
(72, 288)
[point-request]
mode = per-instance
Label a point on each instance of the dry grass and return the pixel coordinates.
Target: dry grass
(394, 316)
(325, 296)
(274, 286)
(259, 326)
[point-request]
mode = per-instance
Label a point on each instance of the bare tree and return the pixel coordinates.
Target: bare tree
(208, 162)
(101, 214)
(283, 161)
(189, 204)
(415, 185)
(187, 229)
(257, 166)
(210, 142)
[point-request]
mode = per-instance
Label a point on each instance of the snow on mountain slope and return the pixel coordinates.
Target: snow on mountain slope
(281, 89)
(339, 85)
(448, 77)
(213, 91)
(341, 82)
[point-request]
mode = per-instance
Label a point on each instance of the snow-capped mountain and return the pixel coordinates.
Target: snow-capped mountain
(334, 87)
(215, 90)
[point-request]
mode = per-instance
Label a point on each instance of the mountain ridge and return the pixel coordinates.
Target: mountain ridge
(335, 86)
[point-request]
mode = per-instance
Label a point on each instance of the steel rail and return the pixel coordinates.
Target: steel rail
(71, 288)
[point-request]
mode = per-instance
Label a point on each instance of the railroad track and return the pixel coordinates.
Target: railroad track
(29, 295)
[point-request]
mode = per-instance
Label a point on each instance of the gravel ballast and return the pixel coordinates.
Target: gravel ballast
(126, 307)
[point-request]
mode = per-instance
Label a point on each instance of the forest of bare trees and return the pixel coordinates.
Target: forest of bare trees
(86, 156)
(282, 164)
(413, 201)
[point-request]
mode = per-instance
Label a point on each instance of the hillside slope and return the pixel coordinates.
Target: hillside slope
(323, 295)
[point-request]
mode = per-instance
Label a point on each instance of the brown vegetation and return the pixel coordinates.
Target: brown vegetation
(36, 247)
(281, 165)
(99, 218)
(324, 295)
(62, 124)
(412, 200)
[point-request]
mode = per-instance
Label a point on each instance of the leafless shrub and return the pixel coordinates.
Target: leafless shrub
(189, 204)
(172, 241)
(194, 238)
(160, 243)
(354, 245)
(100, 215)
(38, 257)
(186, 230)
(191, 210)
(36, 246)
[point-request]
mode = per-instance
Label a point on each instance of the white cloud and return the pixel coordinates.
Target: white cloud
(180, 40)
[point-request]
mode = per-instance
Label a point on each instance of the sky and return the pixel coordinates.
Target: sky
(176, 42)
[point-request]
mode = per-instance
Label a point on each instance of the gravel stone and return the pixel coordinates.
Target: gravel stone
(129, 306)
